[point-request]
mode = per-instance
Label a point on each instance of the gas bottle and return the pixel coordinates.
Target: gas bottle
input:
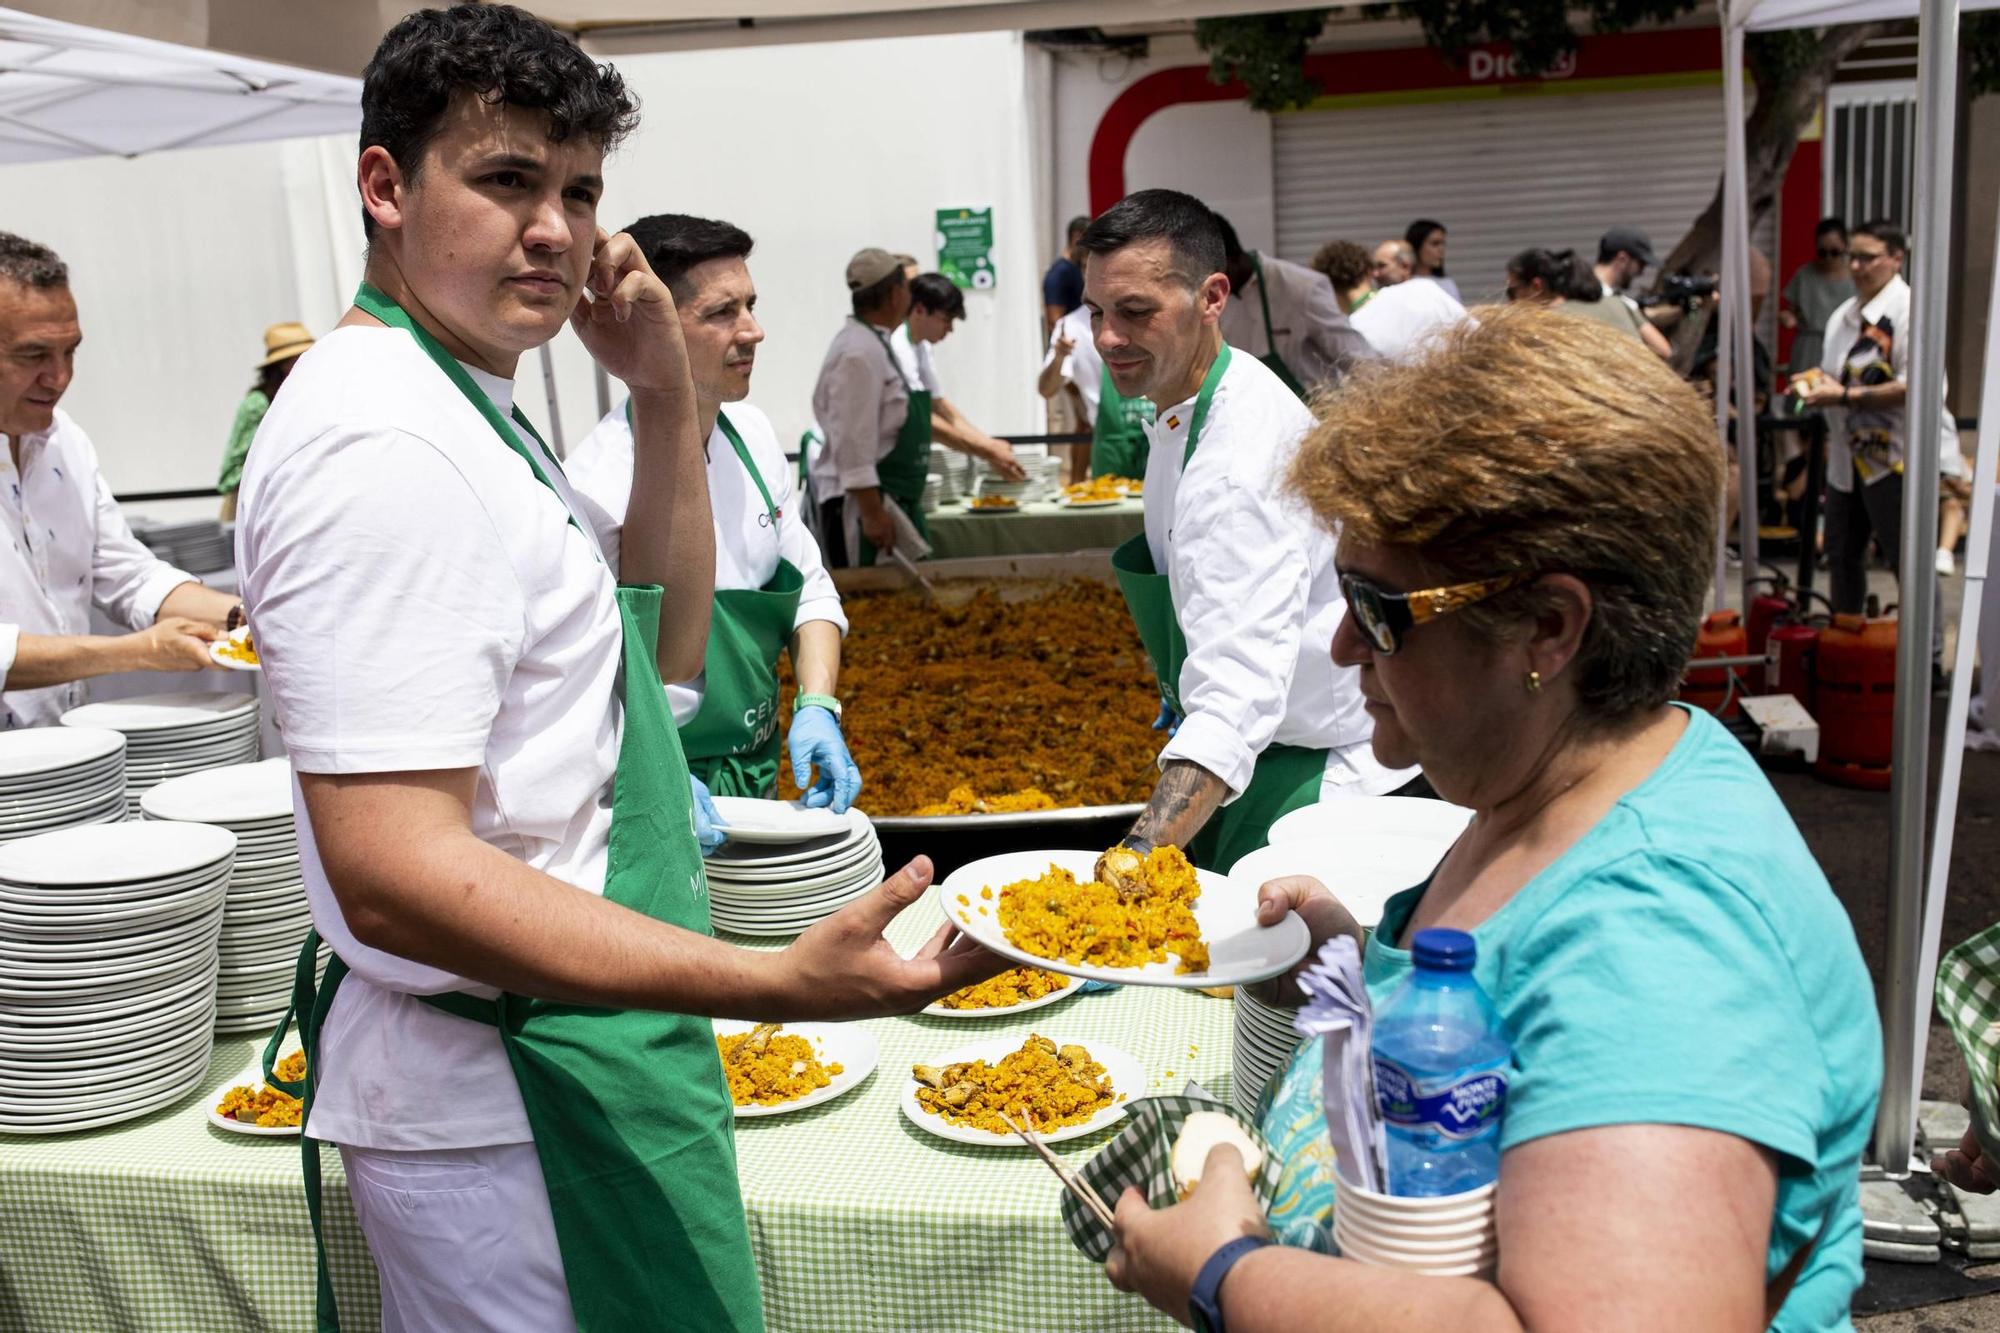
(1721, 635)
(1795, 643)
(1767, 609)
(1854, 688)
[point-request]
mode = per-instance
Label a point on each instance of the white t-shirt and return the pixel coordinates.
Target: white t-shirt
(917, 361)
(1398, 321)
(1083, 367)
(423, 602)
(1889, 313)
(1253, 581)
(747, 549)
(65, 547)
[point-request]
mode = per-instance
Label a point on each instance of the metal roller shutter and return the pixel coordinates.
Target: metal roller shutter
(1502, 174)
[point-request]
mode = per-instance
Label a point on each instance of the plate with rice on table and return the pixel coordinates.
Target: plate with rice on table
(248, 1105)
(1059, 1088)
(1161, 923)
(1014, 991)
(773, 1068)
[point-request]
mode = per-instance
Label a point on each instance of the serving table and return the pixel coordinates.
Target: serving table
(1040, 527)
(859, 1220)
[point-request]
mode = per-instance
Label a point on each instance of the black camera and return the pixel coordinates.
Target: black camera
(1686, 290)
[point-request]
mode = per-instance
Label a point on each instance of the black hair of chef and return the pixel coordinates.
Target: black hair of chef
(1190, 227)
(937, 293)
(498, 52)
(677, 242)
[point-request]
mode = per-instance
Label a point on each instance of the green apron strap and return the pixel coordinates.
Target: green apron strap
(1201, 402)
(311, 1001)
(736, 443)
(903, 473)
(1271, 357)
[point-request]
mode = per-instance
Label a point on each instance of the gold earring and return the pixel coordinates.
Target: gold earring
(1534, 682)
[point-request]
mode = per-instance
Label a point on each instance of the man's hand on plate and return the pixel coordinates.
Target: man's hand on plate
(175, 643)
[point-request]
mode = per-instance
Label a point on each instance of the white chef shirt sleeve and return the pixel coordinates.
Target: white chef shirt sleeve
(851, 416)
(1240, 588)
(927, 373)
(389, 615)
(819, 600)
(128, 581)
(10, 648)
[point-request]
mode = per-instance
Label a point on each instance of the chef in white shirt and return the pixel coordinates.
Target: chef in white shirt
(67, 546)
(1396, 320)
(875, 417)
(512, 1045)
(772, 592)
(1232, 584)
(936, 305)
(1282, 314)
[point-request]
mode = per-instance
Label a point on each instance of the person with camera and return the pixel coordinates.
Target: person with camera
(1623, 255)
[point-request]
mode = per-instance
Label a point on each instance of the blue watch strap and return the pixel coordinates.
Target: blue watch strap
(1204, 1302)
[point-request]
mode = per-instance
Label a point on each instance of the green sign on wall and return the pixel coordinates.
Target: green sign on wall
(965, 246)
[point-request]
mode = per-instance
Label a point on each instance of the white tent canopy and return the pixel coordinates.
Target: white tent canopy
(1916, 910)
(71, 91)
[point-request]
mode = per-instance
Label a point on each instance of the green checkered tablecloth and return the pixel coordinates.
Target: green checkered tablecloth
(1039, 528)
(860, 1220)
(1968, 999)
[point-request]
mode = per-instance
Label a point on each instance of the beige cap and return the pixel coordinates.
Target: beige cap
(869, 267)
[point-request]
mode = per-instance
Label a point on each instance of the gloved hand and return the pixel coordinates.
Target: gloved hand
(706, 818)
(815, 741)
(1168, 721)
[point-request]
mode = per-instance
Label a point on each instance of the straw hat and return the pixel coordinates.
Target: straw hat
(282, 342)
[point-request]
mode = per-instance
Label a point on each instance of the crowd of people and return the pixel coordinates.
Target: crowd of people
(1390, 546)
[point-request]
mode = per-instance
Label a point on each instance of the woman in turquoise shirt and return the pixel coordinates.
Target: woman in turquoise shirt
(1527, 516)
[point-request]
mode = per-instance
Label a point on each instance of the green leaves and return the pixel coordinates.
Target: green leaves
(1267, 52)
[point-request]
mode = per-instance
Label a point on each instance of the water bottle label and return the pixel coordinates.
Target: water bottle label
(1457, 1106)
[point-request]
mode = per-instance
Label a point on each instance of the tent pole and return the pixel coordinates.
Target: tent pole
(1743, 329)
(1735, 228)
(1904, 1009)
(1978, 556)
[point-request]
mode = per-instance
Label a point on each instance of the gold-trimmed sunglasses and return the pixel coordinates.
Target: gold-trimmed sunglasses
(1385, 617)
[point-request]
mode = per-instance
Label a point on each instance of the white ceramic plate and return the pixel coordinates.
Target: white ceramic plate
(781, 892)
(76, 1123)
(238, 796)
(160, 712)
(746, 819)
(1128, 1077)
(36, 751)
(848, 857)
(753, 856)
(1239, 950)
(1068, 503)
(241, 634)
(253, 1077)
(849, 1045)
(1412, 815)
(801, 903)
(115, 853)
(1005, 1011)
(1363, 870)
(63, 899)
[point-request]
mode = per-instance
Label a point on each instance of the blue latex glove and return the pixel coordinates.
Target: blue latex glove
(706, 817)
(815, 742)
(1168, 721)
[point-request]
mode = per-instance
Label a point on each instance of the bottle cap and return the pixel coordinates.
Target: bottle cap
(1443, 950)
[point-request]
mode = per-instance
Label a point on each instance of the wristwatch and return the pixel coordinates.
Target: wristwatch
(826, 701)
(237, 616)
(1205, 1301)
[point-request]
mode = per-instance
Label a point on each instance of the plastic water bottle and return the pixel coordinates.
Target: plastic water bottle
(1441, 1068)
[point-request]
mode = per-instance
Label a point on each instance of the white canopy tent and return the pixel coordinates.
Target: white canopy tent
(1916, 896)
(71, 91)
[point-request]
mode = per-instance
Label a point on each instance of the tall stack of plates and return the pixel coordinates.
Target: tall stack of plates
(56, 777)
(171, 735)
(1046, 474)
(1265, 1040)
(200, 546)
(780, 888)
(267, 918)
(933, 492)
(107, 971)
(955, 471)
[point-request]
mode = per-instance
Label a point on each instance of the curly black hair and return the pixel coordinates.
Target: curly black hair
(497, 52)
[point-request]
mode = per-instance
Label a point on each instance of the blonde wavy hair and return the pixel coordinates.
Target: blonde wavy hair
(1528, 440)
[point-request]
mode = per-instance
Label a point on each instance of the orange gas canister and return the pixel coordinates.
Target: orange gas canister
(1767, 609)
(1721, 635)
(1854, 689)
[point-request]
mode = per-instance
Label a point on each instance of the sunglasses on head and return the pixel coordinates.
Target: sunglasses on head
(1384, 617)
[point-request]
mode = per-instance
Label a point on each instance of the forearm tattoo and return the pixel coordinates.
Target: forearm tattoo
(1184, 799)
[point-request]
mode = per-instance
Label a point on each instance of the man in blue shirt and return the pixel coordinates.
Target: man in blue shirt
(1062, 285)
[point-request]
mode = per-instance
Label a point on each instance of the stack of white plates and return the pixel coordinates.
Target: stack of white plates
(107, 971)
(56, 777)
(200, 546)
(1265, 1040)
(267, 918)
(953, 471)
(780, 888)
(1020, 492)
(933, 492)
(1046, 474)
(171, 735)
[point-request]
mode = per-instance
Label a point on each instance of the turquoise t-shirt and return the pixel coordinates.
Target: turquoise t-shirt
(1686, 963)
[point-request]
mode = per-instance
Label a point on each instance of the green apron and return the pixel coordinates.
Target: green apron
(1118, 443)
(631, 1117)
(903, 473)
(1271, 357)
(1286, 776)
(732, 740)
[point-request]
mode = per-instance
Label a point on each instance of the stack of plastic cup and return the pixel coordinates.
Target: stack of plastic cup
(1449, 1235)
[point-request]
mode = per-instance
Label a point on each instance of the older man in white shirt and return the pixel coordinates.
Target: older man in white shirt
(1398, 320)
(67, 546)
(1232, 584)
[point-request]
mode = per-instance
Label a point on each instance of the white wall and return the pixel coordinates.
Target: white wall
(180, 260)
